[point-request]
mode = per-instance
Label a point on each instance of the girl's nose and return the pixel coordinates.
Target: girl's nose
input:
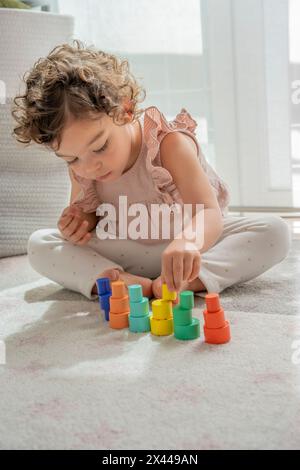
(91, 170)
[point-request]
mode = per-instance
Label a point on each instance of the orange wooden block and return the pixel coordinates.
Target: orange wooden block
(215, 319)
(119, 305)
(118, 289)
(119, 320)
(217, 335)
(212, 301)
(216, 328)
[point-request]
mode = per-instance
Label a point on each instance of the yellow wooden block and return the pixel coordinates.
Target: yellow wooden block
(161, 327)
(166, 294)
(162, 309)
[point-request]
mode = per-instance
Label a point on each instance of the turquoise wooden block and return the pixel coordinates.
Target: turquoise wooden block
(139, 324)
(135, 292)
(139, 309)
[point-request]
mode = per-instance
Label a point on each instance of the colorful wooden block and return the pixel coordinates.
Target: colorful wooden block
(140, 308)
(139, 317)
(216, 328)
(214, 319)
(187, 332)
(103, 285)
(118, 289)
(104, 304)
(135, 292)
(217, 335)
(182, 316)
(118, 320)
(166, 294)
(186, 299)
(104, 292)
(139, 324)
(161, 327)
(119, 306)
(161, 309)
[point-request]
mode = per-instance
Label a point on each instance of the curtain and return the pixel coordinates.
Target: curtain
(227, 63)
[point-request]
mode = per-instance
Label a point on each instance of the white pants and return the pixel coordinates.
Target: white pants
(247, 247)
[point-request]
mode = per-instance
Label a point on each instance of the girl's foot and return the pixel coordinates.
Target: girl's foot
(115, 274)
(196, 286)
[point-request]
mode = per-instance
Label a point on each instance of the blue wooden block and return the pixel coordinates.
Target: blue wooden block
(104, 301)
(103, 285)
(106, 315)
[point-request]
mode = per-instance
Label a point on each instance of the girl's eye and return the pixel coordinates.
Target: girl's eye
(103, 148)
(72, 161)
(95, 151)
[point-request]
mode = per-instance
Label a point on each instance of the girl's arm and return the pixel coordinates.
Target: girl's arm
(91, 217)
(178, 154)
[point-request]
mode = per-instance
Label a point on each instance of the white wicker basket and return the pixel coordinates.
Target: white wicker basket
(25, 36)
(34, 185)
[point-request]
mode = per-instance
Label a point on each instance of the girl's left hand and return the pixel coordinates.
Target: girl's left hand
(181, 262)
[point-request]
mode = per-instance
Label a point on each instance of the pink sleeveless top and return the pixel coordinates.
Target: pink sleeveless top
(147, 182)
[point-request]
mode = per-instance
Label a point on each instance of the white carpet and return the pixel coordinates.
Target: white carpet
(70, 382)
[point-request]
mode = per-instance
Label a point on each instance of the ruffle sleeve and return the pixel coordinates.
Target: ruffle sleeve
(156, 127)
(87, 199)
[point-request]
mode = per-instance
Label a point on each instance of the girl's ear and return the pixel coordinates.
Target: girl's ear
(128, 116)
(127, 105)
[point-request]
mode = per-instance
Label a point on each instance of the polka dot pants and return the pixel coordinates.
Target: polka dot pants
(247, 247)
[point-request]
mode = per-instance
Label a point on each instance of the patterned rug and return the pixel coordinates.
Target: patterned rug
(70, 382)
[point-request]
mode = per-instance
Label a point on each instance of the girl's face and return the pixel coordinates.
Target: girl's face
(96, 148)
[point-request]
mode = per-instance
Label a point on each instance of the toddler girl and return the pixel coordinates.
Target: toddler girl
(82, 104)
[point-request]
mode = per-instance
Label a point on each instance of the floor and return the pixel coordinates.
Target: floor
(71, 382)
(294, 224)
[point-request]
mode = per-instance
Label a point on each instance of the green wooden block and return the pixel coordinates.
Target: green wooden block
(186, 332)
(182, 316)
(186, 299)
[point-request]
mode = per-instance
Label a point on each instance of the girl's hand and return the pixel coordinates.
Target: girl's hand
(73, 225)
(180, 262)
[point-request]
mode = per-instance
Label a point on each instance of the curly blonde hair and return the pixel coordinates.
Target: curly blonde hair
(77, 81)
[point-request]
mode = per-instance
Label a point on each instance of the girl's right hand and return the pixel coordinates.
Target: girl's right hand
(73, 226)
